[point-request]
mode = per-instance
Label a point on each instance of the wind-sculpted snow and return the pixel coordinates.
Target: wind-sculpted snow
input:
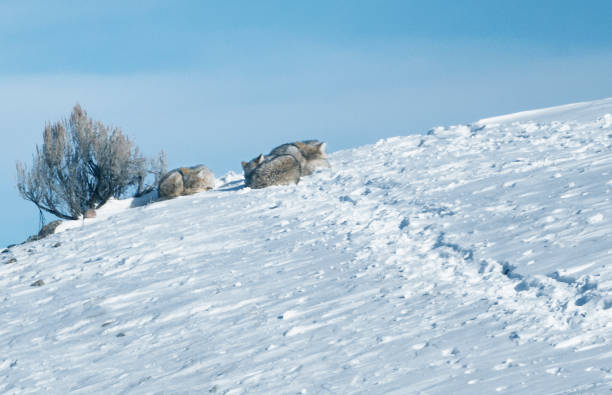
(474, 259)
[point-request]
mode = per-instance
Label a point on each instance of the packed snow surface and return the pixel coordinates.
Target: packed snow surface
(471, 259)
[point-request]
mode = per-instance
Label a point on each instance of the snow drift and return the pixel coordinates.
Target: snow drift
(471, 259)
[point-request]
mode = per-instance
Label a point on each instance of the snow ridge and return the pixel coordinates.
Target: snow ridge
(472, 259)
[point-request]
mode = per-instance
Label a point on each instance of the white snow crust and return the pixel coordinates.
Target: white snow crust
(471, 260)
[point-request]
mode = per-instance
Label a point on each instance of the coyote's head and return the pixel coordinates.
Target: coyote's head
(312, 149)
(248, 167)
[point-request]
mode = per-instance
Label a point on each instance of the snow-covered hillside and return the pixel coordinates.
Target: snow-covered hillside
(469, 260)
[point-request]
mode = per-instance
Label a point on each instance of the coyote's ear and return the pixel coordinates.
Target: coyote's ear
(243, 165)
(260, 159)
(322, 147)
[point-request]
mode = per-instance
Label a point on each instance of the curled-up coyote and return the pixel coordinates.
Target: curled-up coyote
(186, 181)
(285, 164)
(263, 171)
(310, 153)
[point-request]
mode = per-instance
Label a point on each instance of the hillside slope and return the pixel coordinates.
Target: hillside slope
(473, 259)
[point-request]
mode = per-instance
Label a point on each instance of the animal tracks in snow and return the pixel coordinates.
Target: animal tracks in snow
(473, 259)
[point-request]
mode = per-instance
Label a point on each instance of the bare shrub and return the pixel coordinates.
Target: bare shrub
(149, 179)
(83, 163)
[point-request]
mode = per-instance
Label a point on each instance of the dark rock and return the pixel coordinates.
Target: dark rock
(58, 244)
(37, 283)
(5, 251)
(120, 334)
(49, 229)
(45, 231)
(12, 260)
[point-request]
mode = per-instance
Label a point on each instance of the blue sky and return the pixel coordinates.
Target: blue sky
(219, 82)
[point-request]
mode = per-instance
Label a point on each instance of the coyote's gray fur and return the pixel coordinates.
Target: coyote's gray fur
(186, 181)
(263, 171)
(310, 154)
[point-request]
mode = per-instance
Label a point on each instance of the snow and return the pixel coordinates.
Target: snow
(584, 112)
(473, 259)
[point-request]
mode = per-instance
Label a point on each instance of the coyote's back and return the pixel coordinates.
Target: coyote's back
(310, 153)
(272, 170)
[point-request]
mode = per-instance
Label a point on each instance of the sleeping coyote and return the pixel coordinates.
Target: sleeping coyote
(285, 164)
(310, 154)
(273, 170)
